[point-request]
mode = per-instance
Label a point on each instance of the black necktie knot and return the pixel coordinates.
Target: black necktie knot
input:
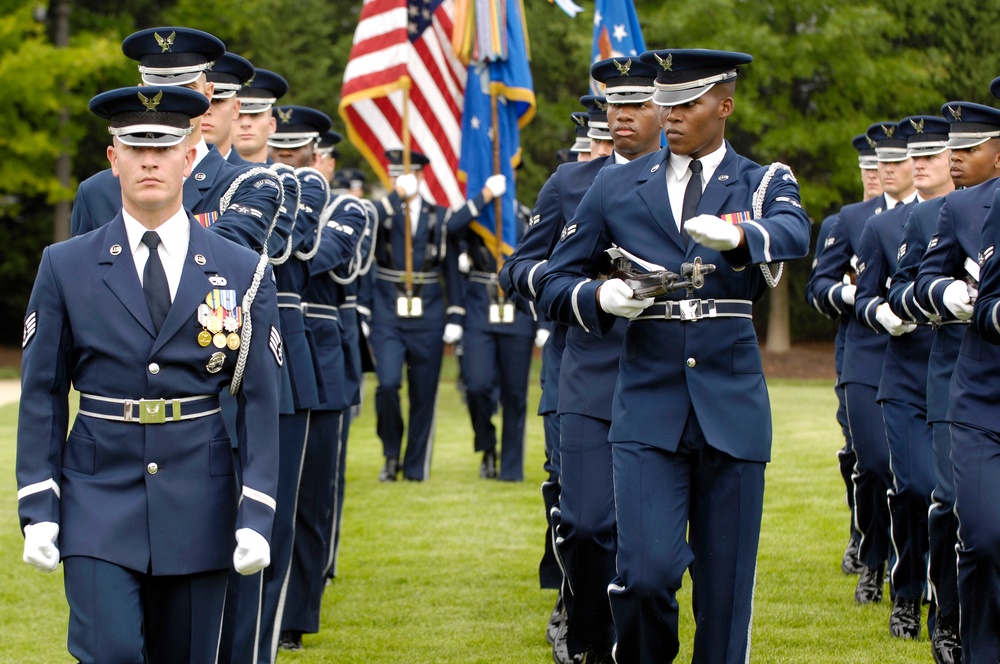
(695, 166)
(151, 239)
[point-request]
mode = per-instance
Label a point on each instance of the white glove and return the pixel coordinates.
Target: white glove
(497, 184)
(252, 553)
(407, 185)
(464, 263)
(892, 323)
(956, 298)
(541, 336)
(617, 299)
(40, 549)
(712, 232)
(452, 333)
(847, 294)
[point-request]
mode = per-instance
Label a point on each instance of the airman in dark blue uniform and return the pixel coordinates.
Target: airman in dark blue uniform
(496, 337)
(149, 318)
(846, 457)
(409, 311)
(227, 75)
(902, 391)
(863, 355)
(688, 475)
(974, 160)
(239, 203)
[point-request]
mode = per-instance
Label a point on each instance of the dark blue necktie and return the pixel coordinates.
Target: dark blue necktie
(692, 195)
(154, 281)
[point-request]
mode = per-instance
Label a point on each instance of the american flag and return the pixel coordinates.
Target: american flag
(399, 43)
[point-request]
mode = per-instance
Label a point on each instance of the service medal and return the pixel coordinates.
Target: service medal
(233, 341)
(229, 323)
(219, 340)
(204, 338)
(204, 313)
(215, 363)
(215, 323)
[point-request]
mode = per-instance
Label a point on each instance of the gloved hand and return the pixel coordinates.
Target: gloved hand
(406, 186)
(617, 299)
(892, 323)
(452, 333)
(252, 553)
(464, 263)
(541, 336)
(40, 549)
(496, 184)
(956, 298)
(847, 294)
(712, 232)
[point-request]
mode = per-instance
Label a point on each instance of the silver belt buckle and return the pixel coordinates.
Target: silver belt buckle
(152, 411)
(690, 309)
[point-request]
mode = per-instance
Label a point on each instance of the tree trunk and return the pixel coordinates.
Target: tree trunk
(779, 334)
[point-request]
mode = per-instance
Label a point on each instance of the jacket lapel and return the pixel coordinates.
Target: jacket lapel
(652, 187)
(716, 195)
(122, 278)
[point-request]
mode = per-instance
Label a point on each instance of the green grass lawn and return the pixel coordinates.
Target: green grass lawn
(446, 570)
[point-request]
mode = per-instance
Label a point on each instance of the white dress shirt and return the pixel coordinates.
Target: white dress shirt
(175, 234)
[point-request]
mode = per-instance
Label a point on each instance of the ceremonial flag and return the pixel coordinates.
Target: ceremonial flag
(499, 89)
(405, 45)
(616, 33)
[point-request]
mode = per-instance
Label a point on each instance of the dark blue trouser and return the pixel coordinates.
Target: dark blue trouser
(846, 458)
(942, 525)
(912, 462)
(313, 516)
(696, 507)
(872, 478)
(504, 359)
(975, 455)
(549, 572)
(421, 352)
(338, 498)
(586, 537)
(120, 615)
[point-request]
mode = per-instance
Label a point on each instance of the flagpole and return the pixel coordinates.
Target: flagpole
(408, 232)
(498, 201)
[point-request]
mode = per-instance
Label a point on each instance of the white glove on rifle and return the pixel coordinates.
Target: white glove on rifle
(956, 298)
(452, 333)
(617, 299)
(541, 336)
(40, 549)
(713, 232)
(496, 184)
(406, 185)
(847, 294)
(892, 323)
(252, 553)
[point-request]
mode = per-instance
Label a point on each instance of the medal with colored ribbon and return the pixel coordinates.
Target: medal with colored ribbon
(221, 318)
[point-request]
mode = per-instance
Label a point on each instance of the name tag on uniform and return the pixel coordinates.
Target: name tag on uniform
(409, 307)
(502, 313)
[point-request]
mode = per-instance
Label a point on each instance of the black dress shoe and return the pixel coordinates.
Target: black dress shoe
(560, 649)
(555, 620)
(904, 621)
(869, 588)
(850, 564)
(390, 470)
(488, 468)
(945, 642)
(592, 657)
(290, 640)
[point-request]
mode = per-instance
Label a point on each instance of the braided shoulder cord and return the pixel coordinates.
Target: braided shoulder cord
(284, 171)
(247, 332)
(299, 173)
(370, 228)
(771, 277)
(354, 267)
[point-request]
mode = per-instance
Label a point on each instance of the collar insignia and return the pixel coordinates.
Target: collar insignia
(165, 44)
